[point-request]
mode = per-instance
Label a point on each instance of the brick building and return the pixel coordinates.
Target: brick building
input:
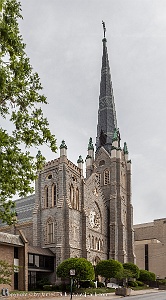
(75, 216)
(13, 249)
(150, 247)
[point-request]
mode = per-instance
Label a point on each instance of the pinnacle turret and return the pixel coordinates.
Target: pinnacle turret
(106, 114)
(63, 149)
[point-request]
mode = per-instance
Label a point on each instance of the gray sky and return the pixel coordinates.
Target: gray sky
(64, 44)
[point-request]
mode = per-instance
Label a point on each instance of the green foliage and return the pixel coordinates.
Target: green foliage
(47, 287)
(83, 269)
(62, 288)
(108, 268)
(124, 273)
(6, 270)
(133, 268)
(87, 284)
(132, 284)
(146, 276)
(140, 283)
(100, 284)
(43, 282)
(20, 108)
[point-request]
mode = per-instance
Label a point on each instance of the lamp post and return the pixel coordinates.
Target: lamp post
(72, 273)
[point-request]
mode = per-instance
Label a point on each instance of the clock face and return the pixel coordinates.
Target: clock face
(94, 219)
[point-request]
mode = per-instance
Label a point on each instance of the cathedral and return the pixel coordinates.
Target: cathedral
(75, 216)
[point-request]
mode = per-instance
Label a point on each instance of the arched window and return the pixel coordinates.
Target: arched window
(93, 242)
(106, 177)
(102, 245)
(54, 195)
(89, 241)
(72, 195)
(50, 231)
(46, 196)
(99, 245)
(96, 243)
(77, 199)
(101, 163)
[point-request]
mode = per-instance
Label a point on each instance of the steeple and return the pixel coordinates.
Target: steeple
(106, 114)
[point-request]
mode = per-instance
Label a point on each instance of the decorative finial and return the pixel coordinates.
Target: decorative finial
(90, 145)
(80, 159)
(125, 149)
(63, 145)
(104, 28)
(115, 135)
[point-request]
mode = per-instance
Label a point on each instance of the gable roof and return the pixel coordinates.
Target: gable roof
(10, 239)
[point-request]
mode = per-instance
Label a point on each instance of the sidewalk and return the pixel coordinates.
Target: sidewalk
(108, 296)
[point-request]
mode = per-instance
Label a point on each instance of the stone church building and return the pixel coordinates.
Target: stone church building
(75, 216)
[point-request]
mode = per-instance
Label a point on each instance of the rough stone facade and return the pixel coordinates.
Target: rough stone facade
(92, 216)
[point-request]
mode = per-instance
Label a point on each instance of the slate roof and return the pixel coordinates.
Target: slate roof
(24, 208)
(40, 251)
(10, 239)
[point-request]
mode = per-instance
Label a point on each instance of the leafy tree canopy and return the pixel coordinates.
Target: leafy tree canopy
(20, 109)
(132, 268)
(124, 273)
(108, 268)
(6, 270)
(83, 269)
(146, 276)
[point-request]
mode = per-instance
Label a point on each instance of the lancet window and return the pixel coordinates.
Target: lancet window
(77, 199)
(50, 231)
(72, 195)
(93, 242)
(46, 196)
(54, 195)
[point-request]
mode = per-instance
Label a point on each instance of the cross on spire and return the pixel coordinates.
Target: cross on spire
(104, 28)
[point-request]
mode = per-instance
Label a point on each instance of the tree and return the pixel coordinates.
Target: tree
(146, 276)
(108, 268)
(20, 109)
(133, 269)
(6, 270)
(124, 274)
(83, 269)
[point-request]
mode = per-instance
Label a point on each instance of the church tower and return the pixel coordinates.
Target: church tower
(88, 217)
(113, 170)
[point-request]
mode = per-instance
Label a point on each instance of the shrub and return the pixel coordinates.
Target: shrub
(83, 269)
(108, 268)
(87, 283)
(92, 284)
(140, 283)
(55, 287)
(146, 276)
(162, 281)
(132, 283)
(47, 287)
(133, 268)
(41, 283)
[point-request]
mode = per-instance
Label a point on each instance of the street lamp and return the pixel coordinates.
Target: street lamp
(72, 273)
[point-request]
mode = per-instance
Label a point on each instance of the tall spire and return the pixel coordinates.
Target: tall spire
(106, 114)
